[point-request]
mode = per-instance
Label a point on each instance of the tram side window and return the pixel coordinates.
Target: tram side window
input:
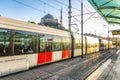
(96, 45)
(25, 43)
(89, 45)
(4, 42)
(49, 41)
(57, 43)
(41, 43)
(66, 44)
(77, 44)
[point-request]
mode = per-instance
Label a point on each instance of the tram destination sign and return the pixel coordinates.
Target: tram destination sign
(116, 32)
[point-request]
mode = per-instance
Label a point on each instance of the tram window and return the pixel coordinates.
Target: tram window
(49, 41)
(25, 43)
(77, 44)
(92, 45)
(74, 43)
(57, 43)
(41, 43)
(66, 44)
(4, 42)
(89, 45)
(95, 45)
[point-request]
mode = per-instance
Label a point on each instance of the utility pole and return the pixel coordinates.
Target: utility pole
(69, 17)
(82, 28)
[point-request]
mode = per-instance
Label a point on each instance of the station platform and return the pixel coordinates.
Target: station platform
(110, 70)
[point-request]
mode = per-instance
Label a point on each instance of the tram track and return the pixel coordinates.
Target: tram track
(89, 72)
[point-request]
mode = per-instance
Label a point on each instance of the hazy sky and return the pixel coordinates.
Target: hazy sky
(34, 10)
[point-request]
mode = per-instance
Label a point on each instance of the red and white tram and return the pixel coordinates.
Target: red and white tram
(24, 45)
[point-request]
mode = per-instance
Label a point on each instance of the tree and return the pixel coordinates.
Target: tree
(32, 22)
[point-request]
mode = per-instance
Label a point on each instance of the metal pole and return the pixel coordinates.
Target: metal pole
(69, 17)
(82, 28)
(108, 37)
(116, 42)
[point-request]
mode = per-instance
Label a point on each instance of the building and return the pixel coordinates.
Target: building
(50, 21)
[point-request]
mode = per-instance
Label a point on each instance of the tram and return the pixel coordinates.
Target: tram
(24, 45)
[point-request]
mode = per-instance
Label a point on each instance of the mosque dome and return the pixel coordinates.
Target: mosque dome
(48, 16)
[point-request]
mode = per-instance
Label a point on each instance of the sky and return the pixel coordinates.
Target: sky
(34, 10)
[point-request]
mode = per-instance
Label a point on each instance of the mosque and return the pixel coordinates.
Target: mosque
(50, 21)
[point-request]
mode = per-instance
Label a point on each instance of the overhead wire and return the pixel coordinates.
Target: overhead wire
(66, 5)
(39, 9)
(74, 17)
(29, 6)
(90, 12)
(80, 22)
(84, 14)
(50, 5)
(60, 3)
(85, 28)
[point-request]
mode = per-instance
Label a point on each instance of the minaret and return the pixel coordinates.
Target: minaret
(61, 16)
(69, 15)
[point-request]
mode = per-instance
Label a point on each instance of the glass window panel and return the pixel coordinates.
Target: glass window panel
(66, 43)
(25, 43)
(77, 44)
(4, 42)
(49, 41)
(41, 43)
(57, 43)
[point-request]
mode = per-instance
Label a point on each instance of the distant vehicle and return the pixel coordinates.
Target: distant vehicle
(24, 45)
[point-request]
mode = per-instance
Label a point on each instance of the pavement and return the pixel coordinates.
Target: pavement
(109, 70)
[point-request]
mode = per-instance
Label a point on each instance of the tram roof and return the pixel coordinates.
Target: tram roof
(108, 9)
(9, 23)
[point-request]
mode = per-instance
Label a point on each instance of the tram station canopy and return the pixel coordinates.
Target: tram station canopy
(108, 9)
